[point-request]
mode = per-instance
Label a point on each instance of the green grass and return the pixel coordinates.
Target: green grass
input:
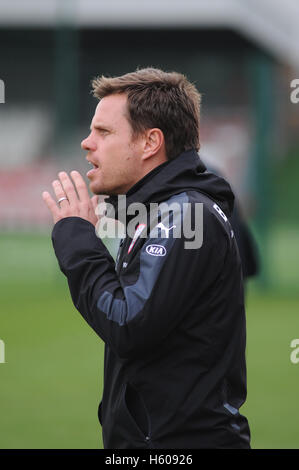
(272, 403)
(52, 379)
(51, 383)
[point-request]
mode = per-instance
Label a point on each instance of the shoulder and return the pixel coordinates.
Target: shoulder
(192, 203)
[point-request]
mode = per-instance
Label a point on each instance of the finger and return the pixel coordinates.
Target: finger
(94, 202)
(80, 186)
(95, 207)
(51, 204)
(68, 187)
(59, 192)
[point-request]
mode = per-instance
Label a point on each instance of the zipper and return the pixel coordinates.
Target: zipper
(118, 253)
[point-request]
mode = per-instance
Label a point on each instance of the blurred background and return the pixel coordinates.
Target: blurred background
(242, 55)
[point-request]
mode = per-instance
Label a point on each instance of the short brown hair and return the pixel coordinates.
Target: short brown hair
(166, 100)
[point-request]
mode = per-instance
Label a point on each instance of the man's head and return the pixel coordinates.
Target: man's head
(143, 119)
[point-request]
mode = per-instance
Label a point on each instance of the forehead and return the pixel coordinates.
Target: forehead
(111, 110)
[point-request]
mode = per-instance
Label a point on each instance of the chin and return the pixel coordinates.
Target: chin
(99, 190)
(95, 187)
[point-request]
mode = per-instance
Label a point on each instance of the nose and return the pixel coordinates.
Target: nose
(87, 143)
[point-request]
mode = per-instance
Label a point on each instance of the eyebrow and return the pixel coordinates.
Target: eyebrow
(101, 127)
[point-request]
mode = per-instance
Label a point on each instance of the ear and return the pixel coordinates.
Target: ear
(153, 141)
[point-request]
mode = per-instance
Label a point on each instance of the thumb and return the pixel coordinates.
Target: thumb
(94, 202)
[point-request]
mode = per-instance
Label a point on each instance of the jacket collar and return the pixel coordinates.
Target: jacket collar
(184, 172)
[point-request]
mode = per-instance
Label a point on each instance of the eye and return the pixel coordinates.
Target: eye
(103, 131)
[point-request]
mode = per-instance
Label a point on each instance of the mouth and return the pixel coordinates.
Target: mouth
(90, 162)
(93, 170)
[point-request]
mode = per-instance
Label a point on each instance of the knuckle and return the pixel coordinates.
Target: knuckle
(68, 186)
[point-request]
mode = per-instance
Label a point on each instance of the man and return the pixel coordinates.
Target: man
(171, 314)
(246, 243)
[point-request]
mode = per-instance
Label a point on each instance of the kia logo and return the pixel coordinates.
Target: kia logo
(156, 250)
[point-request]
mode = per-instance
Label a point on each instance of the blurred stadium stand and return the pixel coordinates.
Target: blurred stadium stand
(242, 56)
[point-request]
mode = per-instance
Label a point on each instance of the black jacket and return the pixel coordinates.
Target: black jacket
(172, 318)
(247, 246)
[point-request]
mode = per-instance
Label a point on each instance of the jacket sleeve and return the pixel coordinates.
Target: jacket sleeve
(134, 318)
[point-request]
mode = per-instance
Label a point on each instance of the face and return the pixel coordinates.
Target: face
(116, 157)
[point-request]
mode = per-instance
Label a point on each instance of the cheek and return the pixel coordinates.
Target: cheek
(134, 153)
(119, 158)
